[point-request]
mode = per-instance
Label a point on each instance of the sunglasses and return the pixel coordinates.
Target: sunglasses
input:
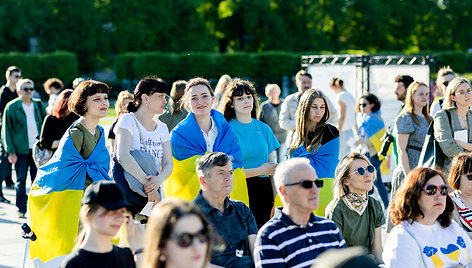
(307, 184)
(184, 240)
(28, 89)
(17, 76)
(363, 104)
(446, 83)
(469, 176)
(361, 171)
(431, 189)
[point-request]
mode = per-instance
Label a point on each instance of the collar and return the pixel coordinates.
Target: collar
(213, 127)
(287, 221)
(206, 207)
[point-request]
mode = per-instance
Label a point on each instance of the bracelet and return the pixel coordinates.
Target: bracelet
(138, 251)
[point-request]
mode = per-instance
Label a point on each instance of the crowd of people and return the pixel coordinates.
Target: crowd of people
(205, 178)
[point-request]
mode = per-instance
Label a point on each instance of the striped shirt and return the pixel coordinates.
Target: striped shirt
(282, 243)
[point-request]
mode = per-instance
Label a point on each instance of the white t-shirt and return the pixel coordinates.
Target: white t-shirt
(143, 140)
(350, 114)
(440, 247)
(30, 124)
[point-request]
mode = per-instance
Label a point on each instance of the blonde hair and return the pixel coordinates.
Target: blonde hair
(271, 86)
(23, 81)
(342, 173)
(409, 105)
(222, 84)
(451, 90)
(124, 95)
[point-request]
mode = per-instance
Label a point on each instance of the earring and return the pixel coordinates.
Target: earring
(162, 258)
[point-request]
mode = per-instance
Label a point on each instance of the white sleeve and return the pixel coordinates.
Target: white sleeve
(401, 250)
(126, 121)
(435, 107)
(164, 130)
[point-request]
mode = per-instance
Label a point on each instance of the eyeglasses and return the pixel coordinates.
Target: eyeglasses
(307, 184)
(184, 240)
(446, 83)
(363, 104)
(17, 76)
(465, 92)
(469, 176)
(28, 89)
(431, 189)
(361, 171)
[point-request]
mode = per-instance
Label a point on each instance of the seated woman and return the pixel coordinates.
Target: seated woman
(425, 235)
(176, 111)
(179, 236)
(318, 141)
(204, 130)
(80, 159)
(460, 180)
(358, 216)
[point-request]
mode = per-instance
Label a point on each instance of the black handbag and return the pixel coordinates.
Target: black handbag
(432, 155)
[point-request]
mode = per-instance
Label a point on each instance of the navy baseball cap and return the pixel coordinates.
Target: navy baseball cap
(107, 194)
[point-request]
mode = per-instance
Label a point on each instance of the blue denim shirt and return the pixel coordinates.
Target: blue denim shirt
(234, 225)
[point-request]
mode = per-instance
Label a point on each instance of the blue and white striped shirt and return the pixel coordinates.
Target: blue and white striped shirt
(282, 243)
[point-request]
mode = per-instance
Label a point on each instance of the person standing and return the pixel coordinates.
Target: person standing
(445, 75)
(176, 111)
(22, 121)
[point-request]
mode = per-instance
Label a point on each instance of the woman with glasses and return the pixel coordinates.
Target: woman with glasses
(460, 180)
(425, 235)
(179, 236)
(358, 216)
(453, 124)
(318, 141)
(370, 133)
(445, 75)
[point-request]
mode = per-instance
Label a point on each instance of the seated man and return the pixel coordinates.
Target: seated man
(232, 219)
(295, 236)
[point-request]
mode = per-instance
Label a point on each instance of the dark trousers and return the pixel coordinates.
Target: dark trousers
(5, 170)
(23, 163)
(261, 198)
(378, 182)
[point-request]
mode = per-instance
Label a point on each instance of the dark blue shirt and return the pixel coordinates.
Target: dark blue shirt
(282, 243)
(234, 226)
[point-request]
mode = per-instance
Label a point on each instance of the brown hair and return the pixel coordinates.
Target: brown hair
(405, 202)
(461, 164)
(303, 121)
(237, 88)
(336, 82)
(176, 94)
(301, 73)
(161, 224)
(86, 211)
(195, 82)
(409, 106)
(53, 82)
(124, 95)
(343, 170)
(146, 86)
(60, 109)
(80, 94)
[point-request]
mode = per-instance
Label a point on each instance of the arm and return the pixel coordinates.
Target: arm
(464, 145)
(123, 140)
(7, 139)
(167, 166)
(252, 242)
(444, 135)
(265, 169)
(342, 114)
(136, 238)
(402, 142)
(46, 139)
(377, 245)
(285, 118)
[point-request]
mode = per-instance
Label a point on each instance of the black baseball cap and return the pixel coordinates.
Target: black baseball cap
(107, 194)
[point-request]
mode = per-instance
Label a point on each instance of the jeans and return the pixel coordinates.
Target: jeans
(378, 182)
(23, 162)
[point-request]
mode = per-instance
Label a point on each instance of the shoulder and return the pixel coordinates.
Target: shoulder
(273, 227)
(14, 103)
(333, 206)
(333, 130)
(262, 125)
(240, 206)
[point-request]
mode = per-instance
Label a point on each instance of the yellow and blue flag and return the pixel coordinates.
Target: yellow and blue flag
(55, 196)
(188, 145)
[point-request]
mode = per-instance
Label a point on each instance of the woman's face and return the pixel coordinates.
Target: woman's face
(462, 95)
(194, 255)
(432, 205)
(421, 96)
(465, 185)
(243, 104)
(107, 222)
(97, 105)
(365, 106)
(356, 183)
(124, 103)
(200, 100)
(317, 110)
(157, 102)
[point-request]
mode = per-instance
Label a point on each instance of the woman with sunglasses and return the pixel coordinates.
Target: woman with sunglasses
(178, 236)
(370, 132)
(460, 180)
(358, 216)
(453, 124)
(318, 141)
(425, 234)
(445, 75)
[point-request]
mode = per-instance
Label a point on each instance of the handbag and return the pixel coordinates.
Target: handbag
(432, 155)
(41, 155)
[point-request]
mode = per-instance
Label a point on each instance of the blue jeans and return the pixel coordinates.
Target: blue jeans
(23, 162)
(378, 182)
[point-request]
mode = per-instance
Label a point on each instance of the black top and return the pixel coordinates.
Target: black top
(6, 95)
(118, 257)
(111, 134)
(331, 132)
(54, 128)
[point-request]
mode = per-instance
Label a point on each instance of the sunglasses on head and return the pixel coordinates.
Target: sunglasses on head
(361, 171)
(28, 89)
(184, 240)
(307, 184)
(431, 189)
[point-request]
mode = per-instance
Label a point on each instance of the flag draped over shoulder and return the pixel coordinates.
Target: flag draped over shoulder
(373, 128)
(55, 196)
(188, 145)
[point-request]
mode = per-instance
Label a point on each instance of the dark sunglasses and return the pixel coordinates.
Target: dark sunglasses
(361, 171)
(17, 76)
(184, 240)
(307, 184)
(431, 189)
(28, 89)
(446, 83)
(469, 177)
(363, 104)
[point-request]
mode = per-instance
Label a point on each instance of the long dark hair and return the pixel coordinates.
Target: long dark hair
(237, 88)
(147, 86)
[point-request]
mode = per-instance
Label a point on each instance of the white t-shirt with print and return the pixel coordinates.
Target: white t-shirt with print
(437, 246)
(143, 140)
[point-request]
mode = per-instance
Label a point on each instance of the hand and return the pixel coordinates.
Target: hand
(12, 158)
(154, 197)
(136, 233)
(151, 185)
(268, 168)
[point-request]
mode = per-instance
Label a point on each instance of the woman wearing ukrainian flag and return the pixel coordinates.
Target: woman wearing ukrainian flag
(204, 130)
(318, 141)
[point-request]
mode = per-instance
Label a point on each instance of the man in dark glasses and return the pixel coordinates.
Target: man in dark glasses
(21, 125)
(445, 75)
(232, 219)
(7, 94)
(295, 236)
